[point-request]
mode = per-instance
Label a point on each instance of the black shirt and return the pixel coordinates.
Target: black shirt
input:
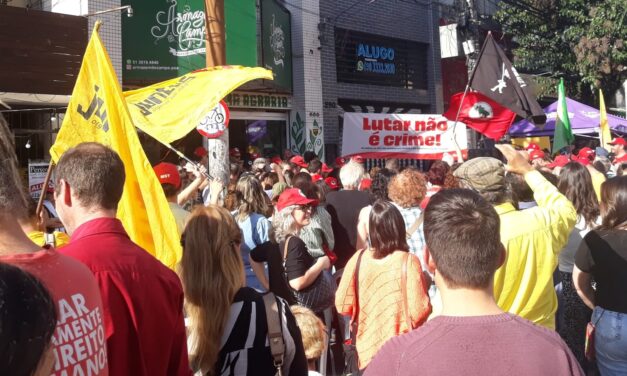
(297, 264)
(344, 207)
(603, 253)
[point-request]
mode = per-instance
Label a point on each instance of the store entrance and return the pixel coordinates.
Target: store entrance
(265, 138)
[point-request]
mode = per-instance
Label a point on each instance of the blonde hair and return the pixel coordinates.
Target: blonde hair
(250, 198)
(212, 272)
(312, 330)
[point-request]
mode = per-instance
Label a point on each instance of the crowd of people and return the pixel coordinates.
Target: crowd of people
(507, 265)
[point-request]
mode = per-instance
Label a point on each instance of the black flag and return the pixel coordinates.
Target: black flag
(495, 77)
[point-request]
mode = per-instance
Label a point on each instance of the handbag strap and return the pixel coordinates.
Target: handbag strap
(275, 334)
(414, 226)
(361, 253)
(287, 240)
(404, 290)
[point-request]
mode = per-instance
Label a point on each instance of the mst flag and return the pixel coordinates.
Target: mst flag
(97, 113)
(563, 133)
(481, 114)
(604, 127)
(171, 109)
(495, 77)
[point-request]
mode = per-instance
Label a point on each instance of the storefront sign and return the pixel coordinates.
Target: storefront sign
(163, 39)
(372, 59)
(401, 136)
(277, 43)
(36, 177)
(259, 100)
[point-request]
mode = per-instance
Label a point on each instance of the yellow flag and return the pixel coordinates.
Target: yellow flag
(604, 127)
(171, 109)
(97, 112)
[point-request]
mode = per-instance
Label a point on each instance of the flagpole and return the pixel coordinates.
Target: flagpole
(44, 188)
(182, 156)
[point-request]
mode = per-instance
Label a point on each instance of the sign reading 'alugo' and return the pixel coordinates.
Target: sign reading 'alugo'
(259, 100)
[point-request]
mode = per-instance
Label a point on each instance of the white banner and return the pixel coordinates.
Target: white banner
(36, 176)
(401, 136)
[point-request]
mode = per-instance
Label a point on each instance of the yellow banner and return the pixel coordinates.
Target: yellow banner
(171, 109)
(604, 126)
(97, 113)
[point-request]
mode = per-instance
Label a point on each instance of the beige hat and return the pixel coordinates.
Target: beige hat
(484, 174)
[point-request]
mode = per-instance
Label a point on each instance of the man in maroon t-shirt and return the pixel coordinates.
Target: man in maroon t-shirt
(142, 299)
(473, 336)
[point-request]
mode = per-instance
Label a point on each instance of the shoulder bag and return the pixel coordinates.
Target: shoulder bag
(318, 296)
(275, 334)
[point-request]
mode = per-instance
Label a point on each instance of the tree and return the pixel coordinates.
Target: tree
(580, 40)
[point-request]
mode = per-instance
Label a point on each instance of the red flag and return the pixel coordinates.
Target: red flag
(481, 114)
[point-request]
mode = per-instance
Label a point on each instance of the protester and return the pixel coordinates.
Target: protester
(436, 177)
(170, 181)
(619, 148)
(344, 207)
(250, 215)
(407, 190)
(299, 164)
(71, 284)
(228, 324)
(620, 171)
(35, 227)
(602, 258)
(259, 166)
(143, 318)
(318, 234)
(378, 191)
(195, 183)
(382, 288)
(314, 336)
(294, 269)
(314, 166)
(575, 183)
(472, 336)
(27, 320)
(532, 237)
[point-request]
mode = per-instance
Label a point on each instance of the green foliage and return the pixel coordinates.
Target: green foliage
(580, 40)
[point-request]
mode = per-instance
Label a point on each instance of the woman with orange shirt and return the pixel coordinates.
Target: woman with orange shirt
(383, 288)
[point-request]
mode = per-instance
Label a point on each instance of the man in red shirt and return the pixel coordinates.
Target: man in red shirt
(78, 343)
(143, 299)
(619, 148)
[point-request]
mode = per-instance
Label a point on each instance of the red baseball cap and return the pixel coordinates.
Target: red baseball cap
(533, 146)
(299, 161)
(276, 159)
(585, 153)
(332, 183)
(234, 152)
(358, 159)
(618, 141)
(201, 152)
(559, 161)
(365, 184)
(326, 168)
(316, 178)
(583, 160)
(339, 161)
(167, 173)
(535, 154)
(293, 196)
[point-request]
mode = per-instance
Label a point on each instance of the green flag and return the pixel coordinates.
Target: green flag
(563, 133)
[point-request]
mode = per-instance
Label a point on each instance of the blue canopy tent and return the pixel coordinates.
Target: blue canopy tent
(583, 120)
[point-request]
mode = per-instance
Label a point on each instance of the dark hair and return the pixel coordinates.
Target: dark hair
(599, 166)
(521, 192)
(622, 167)
(27, 321)
(379, 186)
(324, 190)
(169, 189)
(309, 189)
(309, 156)
(437, 172)
(314, 166)
(94, 172)
(462, 232)
(551, 177)
(575, 183)
(387, 229)
(299, 178)
(614, 202)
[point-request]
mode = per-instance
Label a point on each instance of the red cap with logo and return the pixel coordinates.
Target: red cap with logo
(559, 161)
(299, 161)
(201, 152)
(293, 196)
(586, 153)
(332, 183)
(316, 178)
(167, 173)
(618, 141)
(535, 154)
(533, 146)
(326, 168)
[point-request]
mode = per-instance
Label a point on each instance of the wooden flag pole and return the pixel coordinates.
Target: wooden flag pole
(44, 188)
